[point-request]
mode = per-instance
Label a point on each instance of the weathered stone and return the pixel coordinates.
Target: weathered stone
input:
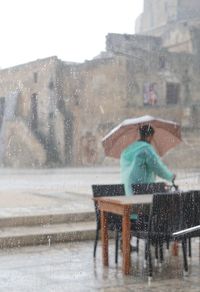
(67, 108)
(22, 148)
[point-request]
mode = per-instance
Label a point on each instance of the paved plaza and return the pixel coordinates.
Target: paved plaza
(45, 191)
(70, 266)
(25, 192)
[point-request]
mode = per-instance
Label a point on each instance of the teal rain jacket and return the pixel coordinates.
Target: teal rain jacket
(139, 163)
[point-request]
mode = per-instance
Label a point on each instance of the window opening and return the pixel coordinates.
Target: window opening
(35, 77)
(172, 94)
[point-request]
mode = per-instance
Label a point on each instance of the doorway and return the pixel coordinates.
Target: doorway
(34, 112)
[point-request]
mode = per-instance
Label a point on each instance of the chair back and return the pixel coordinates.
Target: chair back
(150, 188)
(196, 207)
(165, 214)
(188, 212)
(108, 190)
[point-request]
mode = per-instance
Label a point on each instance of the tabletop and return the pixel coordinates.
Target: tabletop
(127, 200)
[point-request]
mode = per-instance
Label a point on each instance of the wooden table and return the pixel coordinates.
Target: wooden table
(123, 206)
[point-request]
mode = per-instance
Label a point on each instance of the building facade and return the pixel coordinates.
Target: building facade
(54, 113)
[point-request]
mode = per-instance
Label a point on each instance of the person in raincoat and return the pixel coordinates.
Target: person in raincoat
(140, 164)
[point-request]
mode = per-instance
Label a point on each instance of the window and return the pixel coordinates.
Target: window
(51, 85)
(161, 62)
(35, 77)
(172, 94)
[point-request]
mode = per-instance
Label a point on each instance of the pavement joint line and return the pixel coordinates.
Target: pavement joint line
(51, 218)
(65, 192)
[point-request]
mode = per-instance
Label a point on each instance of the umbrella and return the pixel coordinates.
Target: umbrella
(167, 135)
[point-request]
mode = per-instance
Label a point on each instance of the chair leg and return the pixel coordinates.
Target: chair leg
(184, 248)
(146, 251)
(145, 254)
(156, 253)
(167, 244)
(199, 248)
(189, 248)
(161, 251)
(116, 245)
(150, 272)
(137, 245)
(95, 242)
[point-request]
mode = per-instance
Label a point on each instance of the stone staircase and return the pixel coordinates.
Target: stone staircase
(46, 229)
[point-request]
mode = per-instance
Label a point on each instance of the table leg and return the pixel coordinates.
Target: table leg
(126, 241)
(104, 237)
(175, 248)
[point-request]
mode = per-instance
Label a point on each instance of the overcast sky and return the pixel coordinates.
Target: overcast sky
(73, 30)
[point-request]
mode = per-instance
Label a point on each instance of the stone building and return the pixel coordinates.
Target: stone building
(54, 113)
(177, 22)
(35, 134)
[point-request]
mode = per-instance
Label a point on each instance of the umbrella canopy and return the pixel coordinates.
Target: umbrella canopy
(167, 135)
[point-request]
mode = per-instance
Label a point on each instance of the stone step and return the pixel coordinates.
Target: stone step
(46, 234)
(45, 219)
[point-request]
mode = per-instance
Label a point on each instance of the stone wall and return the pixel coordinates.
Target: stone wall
(174, 22)
(157, 13)
(93, 92)
(22, 149)
(127, 44)
(187, 10)
(67, 108)
(178, 39)
(37, 107)
(121, 79)
(31, 78)
(102, 92)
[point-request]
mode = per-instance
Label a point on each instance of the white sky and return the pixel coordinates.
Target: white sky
(73, 30)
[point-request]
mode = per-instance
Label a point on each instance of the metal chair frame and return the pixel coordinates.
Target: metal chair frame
(164, 220)
(114, 221)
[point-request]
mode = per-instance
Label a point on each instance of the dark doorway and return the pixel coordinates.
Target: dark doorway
(172, 94)
(68, 138)
(34, 112)
(2, 109)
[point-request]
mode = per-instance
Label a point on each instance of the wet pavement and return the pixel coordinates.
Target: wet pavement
(25, 192)
(70, 267)
(50, 191)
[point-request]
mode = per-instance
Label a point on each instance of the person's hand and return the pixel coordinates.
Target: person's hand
(173, 179)
(173, 183)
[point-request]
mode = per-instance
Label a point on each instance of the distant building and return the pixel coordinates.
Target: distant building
(177, 22)
(61, 111)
